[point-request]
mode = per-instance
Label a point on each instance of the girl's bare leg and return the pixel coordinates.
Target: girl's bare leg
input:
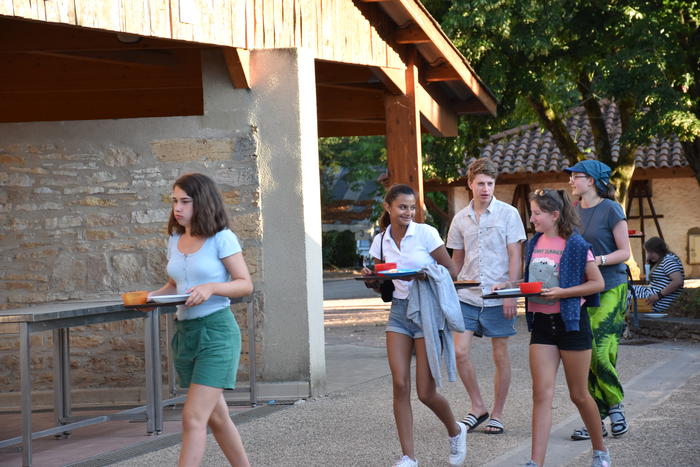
(399, 348)
(427, 393)
(576, 366)
(544, 361)
(199, 406)
(227, 435)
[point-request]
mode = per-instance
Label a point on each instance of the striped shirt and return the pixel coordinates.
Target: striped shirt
(660, 277)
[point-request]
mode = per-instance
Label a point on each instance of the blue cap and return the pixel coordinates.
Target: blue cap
(596, 169)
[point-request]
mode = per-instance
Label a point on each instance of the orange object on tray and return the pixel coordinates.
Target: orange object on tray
(531, 287)
(135, 298)
(384, 267)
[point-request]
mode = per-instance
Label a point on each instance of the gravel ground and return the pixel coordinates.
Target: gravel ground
(354, 426)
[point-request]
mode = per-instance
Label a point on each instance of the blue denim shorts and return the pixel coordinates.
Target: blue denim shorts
(487, 321)
(399, 322)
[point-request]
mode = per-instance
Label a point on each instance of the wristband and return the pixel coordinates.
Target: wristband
(660, 295)
(603, 260)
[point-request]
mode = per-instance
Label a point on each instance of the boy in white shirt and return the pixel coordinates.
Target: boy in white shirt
(486, 240)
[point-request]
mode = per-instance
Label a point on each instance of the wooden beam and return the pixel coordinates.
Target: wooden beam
(349, 105)
(92, 105)
(238, 65)
(26, 73)
(326, 129)
(147, 58)
(26, 36)
(470, 107)
(403, 138)
(438, 119)
(424, 21)
(393, 79)
(441, 73)
(411, 34)
(341, 73)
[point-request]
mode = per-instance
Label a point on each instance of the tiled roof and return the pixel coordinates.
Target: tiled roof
(529, 149)
(349, 203)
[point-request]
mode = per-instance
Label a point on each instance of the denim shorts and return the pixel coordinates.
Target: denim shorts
(548, 329)
(399, 322)
(487, 321)
(207, 350)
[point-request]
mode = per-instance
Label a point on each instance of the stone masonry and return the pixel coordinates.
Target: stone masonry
(88, 222)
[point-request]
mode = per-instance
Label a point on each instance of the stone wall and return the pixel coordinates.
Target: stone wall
(84, 207)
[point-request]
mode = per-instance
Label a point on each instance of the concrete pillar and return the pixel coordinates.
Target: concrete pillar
(284, 85)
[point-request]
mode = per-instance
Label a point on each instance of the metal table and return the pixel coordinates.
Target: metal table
(59, 317)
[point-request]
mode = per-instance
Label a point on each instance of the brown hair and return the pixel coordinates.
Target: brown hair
(482, 166)
(657, 245)
(208, 213)
(390, 196)
(558, 200)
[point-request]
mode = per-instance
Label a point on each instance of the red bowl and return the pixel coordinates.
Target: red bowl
(384, 267)
(531, 287)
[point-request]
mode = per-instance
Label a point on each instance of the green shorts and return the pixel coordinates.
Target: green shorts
(207, 350)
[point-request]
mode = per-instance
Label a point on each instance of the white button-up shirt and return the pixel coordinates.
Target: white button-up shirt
(419, 241)
(485, 244)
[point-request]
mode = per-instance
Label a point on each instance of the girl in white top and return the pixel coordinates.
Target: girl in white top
(205, 261)
(412, 246)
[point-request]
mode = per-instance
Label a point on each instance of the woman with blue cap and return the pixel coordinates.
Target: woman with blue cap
(604, 226)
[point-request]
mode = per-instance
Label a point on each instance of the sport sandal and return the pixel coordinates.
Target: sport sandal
(582, 433)
(618, 422)
(472, 421)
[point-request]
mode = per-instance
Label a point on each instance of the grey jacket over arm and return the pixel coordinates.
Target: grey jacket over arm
(434, 306)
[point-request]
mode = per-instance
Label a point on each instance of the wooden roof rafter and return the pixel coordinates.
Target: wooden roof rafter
(449, 64)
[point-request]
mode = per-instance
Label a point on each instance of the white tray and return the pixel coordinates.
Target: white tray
(507, 291)
(168, 298)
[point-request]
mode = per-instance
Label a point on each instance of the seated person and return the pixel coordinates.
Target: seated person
(665, 278)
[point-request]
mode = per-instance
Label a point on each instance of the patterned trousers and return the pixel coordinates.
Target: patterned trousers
(607, 324)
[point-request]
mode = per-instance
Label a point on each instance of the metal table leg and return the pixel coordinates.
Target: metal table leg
(252, 368)
(61, 376)
(154, 406)
(26, 388)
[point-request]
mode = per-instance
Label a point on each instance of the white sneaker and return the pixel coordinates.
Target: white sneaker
(406, 461)
(601, 459)
(458, 446)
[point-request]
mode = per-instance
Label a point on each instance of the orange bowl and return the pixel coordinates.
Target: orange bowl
(135, 298)
(384, 267)
(531, 287)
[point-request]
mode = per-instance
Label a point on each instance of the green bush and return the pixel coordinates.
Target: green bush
(339, 249)
(687, 305)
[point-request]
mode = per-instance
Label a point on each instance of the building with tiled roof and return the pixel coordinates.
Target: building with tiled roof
(529, 149)
(528, 158)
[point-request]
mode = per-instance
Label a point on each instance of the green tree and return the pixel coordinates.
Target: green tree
(364, 155)
(542, 57)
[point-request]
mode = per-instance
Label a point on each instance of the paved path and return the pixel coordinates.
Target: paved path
(353, 425)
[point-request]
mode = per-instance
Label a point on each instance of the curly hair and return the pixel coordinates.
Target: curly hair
(482, 166)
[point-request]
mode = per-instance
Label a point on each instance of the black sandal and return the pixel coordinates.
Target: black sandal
(472, 421)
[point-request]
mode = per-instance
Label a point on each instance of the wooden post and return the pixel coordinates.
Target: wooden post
(403, 138)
